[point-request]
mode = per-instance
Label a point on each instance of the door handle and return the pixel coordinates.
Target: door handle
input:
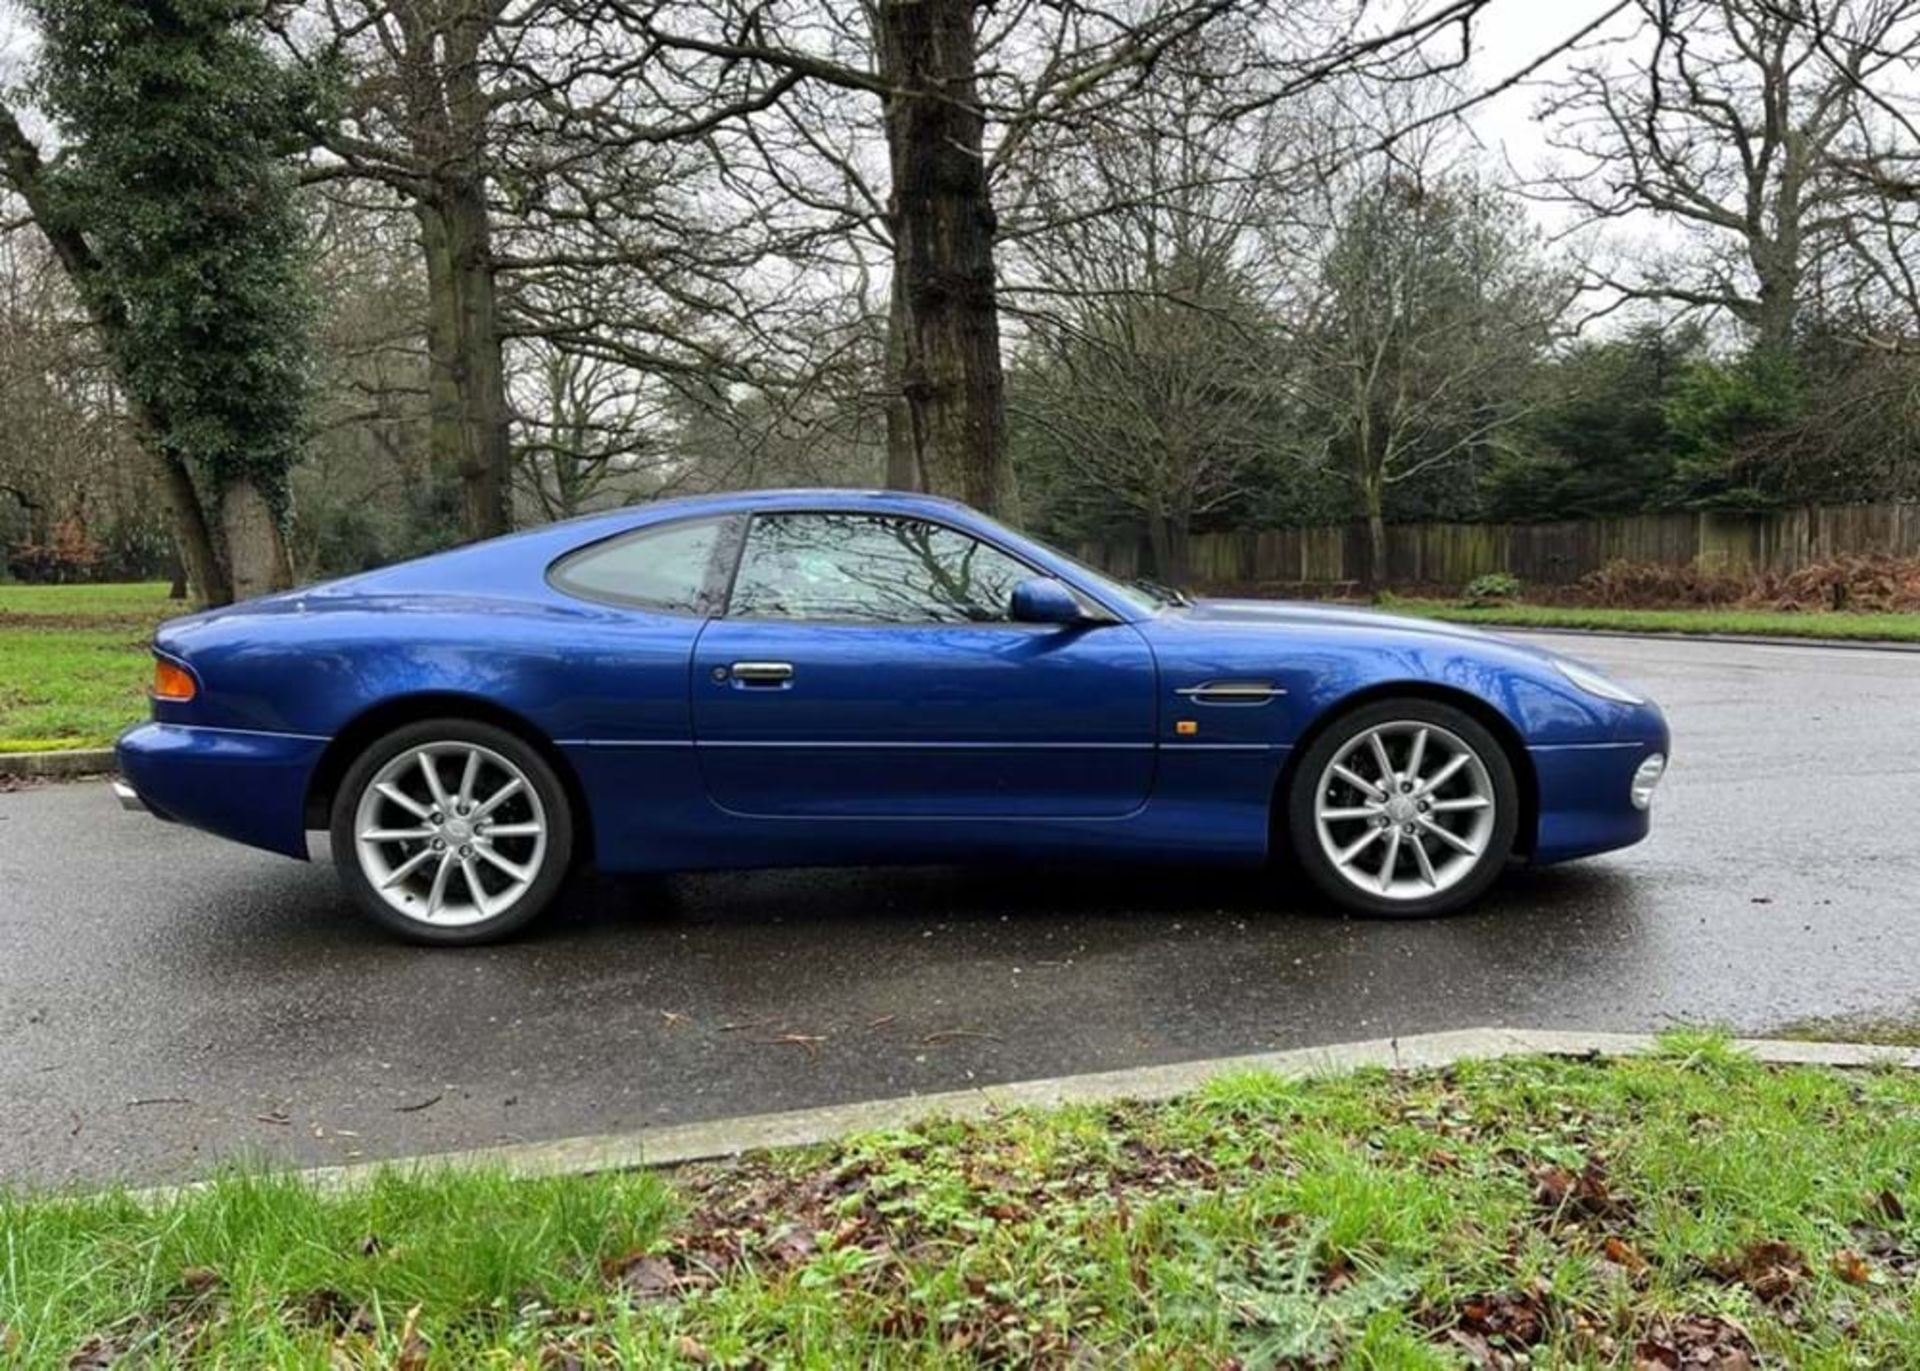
(762, 673)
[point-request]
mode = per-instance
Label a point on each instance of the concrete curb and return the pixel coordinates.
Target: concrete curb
(74, 762)
(722, 1138)
(1749, 639)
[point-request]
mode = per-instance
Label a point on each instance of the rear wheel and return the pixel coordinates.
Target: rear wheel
(452, 832)
(1404, 808)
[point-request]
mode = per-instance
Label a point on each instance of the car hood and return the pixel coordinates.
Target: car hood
(1300, 614)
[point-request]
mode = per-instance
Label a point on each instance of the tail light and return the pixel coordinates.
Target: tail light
(172, 682)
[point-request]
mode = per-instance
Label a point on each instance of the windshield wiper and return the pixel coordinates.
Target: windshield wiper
(1165, 594)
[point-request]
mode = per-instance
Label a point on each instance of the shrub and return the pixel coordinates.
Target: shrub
(1651, 585)
(68, 556)
(1870, 583)
(1855, 582)
(1494, 588)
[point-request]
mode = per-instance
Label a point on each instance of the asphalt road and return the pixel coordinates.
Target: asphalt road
(168, 1000)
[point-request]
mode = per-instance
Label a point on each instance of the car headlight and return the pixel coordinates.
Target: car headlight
(1646, 778)
(1595, 684)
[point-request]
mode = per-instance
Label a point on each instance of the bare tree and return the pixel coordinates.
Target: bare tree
(1150, 376)
(550, 204)
(1434, 302)
(963, 88)
(1736, 122)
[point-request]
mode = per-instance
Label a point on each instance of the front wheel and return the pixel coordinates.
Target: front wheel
(452, 832)
(1404, 808)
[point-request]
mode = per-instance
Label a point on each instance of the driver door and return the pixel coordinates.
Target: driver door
(866, 667)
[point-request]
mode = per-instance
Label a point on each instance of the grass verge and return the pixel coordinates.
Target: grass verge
(73, 662)
(1751, 623)
(1688, 1209)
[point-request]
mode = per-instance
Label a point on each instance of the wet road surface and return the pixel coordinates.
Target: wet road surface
(168, 1000)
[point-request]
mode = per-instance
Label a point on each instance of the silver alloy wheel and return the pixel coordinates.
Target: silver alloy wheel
(1405, 810)
(450, 834)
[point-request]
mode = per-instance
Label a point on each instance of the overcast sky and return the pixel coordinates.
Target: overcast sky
(1510, 36)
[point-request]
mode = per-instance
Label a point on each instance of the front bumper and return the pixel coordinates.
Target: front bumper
(1586, 789)
(250, 787)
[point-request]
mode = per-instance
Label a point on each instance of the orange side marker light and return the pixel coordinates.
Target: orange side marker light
(1186, 728)
(171, 682)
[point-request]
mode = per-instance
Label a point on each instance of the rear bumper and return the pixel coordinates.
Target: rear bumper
(250, 787)
(130, 801)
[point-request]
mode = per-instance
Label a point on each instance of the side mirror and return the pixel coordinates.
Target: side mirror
(1043, 600)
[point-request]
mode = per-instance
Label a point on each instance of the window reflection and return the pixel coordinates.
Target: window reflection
(871, 568)
(661, 568)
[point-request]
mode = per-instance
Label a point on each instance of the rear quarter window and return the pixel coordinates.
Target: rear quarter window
(673, 568)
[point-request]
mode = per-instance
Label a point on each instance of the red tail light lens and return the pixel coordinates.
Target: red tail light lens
(172, 683)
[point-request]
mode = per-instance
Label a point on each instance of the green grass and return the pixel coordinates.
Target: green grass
(1569, 1213)
(1758, 623)
(74, 667)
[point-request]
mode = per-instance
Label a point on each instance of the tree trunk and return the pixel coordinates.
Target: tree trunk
(256, 551)
(1376, 544)
(1160, 544)
(1171, 538)
(1179, 571)
(943, 232)
(199, 557)
(467, 385)
(903, 458)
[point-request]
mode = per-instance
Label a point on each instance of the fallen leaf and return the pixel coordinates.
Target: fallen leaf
(1772, 1270)
(793, 1247)
(1890, 1207)
(1851, 1267)
(1622, 1253)
(648, 1277)
(1583, 1194)
(331, 1310)
(693, 1350)
(1512, 1316)
(1697, 1342)
(198, 1280)
(95, 1354)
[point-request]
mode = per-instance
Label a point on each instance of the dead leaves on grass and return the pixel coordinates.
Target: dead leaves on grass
(1495, 1329)
(1772, 1270)
(1579, 1196)
(1695, 1342)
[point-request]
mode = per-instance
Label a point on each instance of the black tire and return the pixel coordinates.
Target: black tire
(540, 777)
(1303, 832)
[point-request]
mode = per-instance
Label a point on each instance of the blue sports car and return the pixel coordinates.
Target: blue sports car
(831, 677)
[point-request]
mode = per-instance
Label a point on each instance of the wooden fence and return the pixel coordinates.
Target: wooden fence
(1543, 554)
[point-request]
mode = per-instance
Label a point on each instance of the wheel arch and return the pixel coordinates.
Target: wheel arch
(379, 720)
(1498, 724)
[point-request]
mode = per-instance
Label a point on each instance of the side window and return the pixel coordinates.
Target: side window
(871, 568)
(668, 568)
